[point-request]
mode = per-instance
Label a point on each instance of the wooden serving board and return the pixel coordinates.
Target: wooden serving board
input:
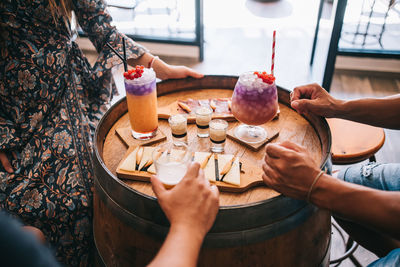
(125, 134)
(250, 176)
(222, 111)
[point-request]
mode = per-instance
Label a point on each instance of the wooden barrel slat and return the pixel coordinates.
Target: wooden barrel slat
(253, 223)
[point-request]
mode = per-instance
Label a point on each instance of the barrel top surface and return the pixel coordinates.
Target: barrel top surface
(353, 142)
(292, 127)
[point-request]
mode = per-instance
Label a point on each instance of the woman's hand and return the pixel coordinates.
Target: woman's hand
(312, 98)
(165, 71)
(192, 204)
(289, 169)
(5, 162)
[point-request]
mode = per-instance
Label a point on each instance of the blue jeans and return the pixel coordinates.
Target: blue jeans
(390, 260)
(379, 176)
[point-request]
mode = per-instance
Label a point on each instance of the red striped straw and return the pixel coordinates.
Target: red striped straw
(273, 53)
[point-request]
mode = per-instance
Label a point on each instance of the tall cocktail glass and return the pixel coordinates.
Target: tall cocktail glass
(254, 102)
(141, 95)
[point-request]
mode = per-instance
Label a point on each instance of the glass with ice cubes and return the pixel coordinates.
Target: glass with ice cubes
(254, 102)
(171, 161)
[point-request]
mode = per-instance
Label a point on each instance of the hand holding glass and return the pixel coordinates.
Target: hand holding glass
(171, 162)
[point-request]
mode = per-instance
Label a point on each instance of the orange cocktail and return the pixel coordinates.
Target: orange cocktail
(141, 95)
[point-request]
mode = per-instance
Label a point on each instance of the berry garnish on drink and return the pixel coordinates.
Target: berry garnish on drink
(134, 73)
(267, 78)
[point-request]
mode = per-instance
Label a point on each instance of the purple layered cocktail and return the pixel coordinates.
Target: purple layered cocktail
(141, 95)
(254, 102)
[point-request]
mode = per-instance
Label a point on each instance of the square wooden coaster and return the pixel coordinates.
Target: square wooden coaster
(125, 134)
(272, 133)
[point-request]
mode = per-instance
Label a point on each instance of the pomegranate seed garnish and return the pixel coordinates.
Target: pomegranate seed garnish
(134, 73)
(267, 78)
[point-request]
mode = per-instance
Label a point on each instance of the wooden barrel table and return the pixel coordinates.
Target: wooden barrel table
(258, 227)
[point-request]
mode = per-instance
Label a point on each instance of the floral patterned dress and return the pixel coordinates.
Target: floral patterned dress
(50, 102)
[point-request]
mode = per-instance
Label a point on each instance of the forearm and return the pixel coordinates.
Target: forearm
(181, 248)
(159, 66)
(384, 112)
(142, 60)
(374, 208)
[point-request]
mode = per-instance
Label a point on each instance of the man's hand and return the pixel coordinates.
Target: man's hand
(192, 203)
(5, 162)
(314, 99)
(191, 207)
(289, 169)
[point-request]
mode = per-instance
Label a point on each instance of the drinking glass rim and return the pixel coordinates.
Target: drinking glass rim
(170, 145)
(142, 81)
(224, 122)
(252, 72)
(208, 114)
(179, 114)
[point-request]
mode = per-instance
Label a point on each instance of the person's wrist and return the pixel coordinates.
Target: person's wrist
(192, 230)
(161, 69)
(150, 63)
(316, 176)
(323, 192)
(340, 108)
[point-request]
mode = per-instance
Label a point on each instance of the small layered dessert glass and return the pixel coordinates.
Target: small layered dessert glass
(178, 124)
(254, 102)
(203, 118)
(218, 130)
(141, 96)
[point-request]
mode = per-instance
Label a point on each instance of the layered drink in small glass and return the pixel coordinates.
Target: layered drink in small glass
(178, 124)
(141, 96)
(254, 102)
(203, 118)
(218, 130)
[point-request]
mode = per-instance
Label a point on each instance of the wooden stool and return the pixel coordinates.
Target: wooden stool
(353, 142)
